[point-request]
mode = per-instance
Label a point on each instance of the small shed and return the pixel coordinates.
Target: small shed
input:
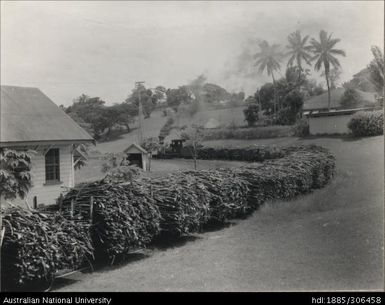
(137, 155)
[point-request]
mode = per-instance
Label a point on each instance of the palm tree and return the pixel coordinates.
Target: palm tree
(324, 55)
(298, 51)
(269, 59)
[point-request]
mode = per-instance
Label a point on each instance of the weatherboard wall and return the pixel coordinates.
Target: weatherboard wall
(47, 193)
(337, 124)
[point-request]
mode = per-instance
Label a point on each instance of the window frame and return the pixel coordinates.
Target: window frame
(52, 166)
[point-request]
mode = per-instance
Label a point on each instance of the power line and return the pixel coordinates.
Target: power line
(138, 86)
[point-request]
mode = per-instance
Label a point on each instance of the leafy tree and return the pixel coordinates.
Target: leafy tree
(292, 104)
(298, 51)
(15, 173)
(265, 96)
(147, 99)
(251, 112)
(213, 93)
(361, 81)
(194, 136)
(160, 94)
(351, 98)
(376, 70)
(237, 99)
(268, 59)
(91, 111)
(150, 145)
(126, 113)
(175, 97)
(324, 55)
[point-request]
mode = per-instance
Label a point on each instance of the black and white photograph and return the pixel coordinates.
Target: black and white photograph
(191, 146)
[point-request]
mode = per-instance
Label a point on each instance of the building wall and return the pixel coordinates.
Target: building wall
(337, 124)
(47, 194)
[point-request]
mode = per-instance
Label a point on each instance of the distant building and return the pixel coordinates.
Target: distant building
(29, 120)
(335, 121)
(320, 102)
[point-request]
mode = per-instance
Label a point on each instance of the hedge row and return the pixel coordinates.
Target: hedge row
(249, 154)
(252, 153)
(128, 215)
(367, 123)
(247, 133)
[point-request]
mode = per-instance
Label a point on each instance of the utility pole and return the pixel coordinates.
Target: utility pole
(138, 86)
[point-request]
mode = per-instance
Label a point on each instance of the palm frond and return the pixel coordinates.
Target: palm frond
(338, 52)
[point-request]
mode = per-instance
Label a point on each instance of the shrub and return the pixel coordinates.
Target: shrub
(251, 113)
(36, 246)
(301, 128)
(367, 123)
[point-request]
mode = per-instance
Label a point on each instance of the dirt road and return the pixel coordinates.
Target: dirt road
(331, 239)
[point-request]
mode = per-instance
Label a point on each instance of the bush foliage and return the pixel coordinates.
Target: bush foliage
(265, 132)
(367, 123)
(301, 128)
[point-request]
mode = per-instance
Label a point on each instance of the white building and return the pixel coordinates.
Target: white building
(29, 120)
(334, 122)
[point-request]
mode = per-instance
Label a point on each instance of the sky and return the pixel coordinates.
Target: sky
(100, 48)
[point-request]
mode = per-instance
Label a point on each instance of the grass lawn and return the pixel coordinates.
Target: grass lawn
(92, 171)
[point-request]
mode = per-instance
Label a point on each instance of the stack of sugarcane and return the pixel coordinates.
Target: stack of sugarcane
(36, 246)
(183, 202)
(303, 168)
(124, 220)
(229, 193)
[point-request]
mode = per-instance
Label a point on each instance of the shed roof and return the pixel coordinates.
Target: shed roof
(135, 147)
(28, 115)
(321, 101)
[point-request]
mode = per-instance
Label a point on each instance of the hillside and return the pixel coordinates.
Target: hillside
(152, 126)
(224, 117)
(321, 101)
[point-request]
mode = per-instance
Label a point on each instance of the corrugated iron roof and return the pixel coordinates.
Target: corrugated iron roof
(321, 101)
(28, 115)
